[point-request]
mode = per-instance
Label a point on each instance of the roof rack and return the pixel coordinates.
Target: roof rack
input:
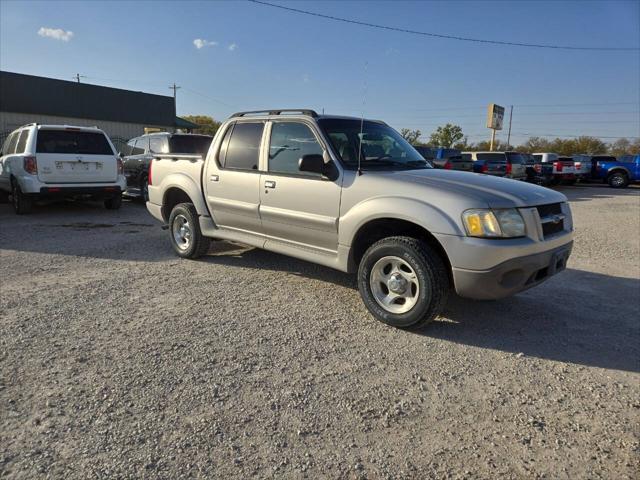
(302, 111)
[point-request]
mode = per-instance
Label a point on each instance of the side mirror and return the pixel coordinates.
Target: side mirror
(312, 163)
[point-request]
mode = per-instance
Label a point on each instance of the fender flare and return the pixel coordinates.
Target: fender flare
(427, 216)
(618, 169)
(187, 185)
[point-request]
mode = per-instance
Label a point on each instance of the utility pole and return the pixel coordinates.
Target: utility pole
(509, 134)
(175, 88)
(78, 77)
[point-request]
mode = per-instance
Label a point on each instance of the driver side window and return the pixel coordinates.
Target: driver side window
(289, 142)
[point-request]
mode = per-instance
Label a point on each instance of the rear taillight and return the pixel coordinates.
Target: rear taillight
(149, 173)
(508, 169)
(30, 165)
(558, 166)
(448, 165)
(485, 168)
(120, 167)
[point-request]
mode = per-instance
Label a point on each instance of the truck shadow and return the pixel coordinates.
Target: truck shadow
(577, 317)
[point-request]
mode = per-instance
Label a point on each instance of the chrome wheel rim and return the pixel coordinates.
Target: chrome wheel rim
(181, 232)
(617, 180)
(394, 285)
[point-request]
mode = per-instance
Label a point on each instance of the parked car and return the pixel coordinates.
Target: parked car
(447, 158)
(582, 166)
(58, 161)
(310, 186)
(567, 166)
(563, 170)
(597, 160)
(619, 173)
(538, 172)
(140, 150)
(501, 164)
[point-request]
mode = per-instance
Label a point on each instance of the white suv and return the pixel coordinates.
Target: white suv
(48, 161)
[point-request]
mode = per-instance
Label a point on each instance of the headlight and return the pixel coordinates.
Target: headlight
(505, 223)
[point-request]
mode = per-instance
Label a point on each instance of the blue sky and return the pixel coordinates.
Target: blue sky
(262, 57)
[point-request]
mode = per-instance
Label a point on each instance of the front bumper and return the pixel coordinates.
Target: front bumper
(511, 276)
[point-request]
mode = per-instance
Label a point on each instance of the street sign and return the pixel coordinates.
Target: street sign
(495, 116)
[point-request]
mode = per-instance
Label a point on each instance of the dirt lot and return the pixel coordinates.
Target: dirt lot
(119, 360)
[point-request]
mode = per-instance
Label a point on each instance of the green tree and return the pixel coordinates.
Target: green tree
(623, 146)
(485, 146)
(209, 126)
(410, 136)
(446, 136)
(534, 144)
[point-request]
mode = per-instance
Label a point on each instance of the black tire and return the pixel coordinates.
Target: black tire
(618, 180)
(430, 272)
(198, 244)
(113, 203)
(22, 203)
(144, 190)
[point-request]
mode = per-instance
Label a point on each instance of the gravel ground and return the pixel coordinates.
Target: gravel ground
(119, 360)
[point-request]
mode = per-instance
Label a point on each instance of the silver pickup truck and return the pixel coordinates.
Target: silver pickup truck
(353, 195)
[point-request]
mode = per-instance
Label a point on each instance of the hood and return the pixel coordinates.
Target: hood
(497, 192)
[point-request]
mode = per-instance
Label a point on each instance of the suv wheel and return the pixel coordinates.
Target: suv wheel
(618, 180)
(21, 203)
(403, 282)
(186, 238)
(113, 203)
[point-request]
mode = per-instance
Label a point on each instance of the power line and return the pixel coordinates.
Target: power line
(439, 35)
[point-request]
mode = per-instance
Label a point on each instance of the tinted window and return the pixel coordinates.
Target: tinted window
(65, 141)
(22, 141)
(537, 158)
(426, 152)
(625, 158)
(243, 151)
(516, 158)
(223, 146)
(289, 142)
(13, 140)
(141, 146)
(157, 144)
(466, 157)
(492, 157)
(190, 144)
(603, 158)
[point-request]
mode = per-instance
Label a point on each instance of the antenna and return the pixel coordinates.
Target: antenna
(364, 96)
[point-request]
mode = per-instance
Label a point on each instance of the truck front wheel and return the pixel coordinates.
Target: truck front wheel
(403, 282)
(186, 238)
(618, 180)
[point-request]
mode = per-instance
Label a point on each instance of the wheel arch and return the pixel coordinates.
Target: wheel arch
(617, 170)
(178, 188)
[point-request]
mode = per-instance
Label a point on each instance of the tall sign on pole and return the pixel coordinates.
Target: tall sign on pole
(495, 119)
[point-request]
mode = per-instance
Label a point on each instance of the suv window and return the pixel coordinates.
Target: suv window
(141, 146)
(13, 140)
(22, 141)
(190, 144)
(290, 141)
(516, 158)
(243, 150)
(492, 157)
(67, 141)
(157, 144)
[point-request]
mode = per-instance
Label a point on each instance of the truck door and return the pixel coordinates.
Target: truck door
(232, 176)
(297, 208)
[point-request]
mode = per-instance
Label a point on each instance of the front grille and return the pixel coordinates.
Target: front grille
(551, 228)
(551, 209)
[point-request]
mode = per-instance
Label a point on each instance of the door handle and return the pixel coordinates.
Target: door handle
(214, 178)
(269, 184)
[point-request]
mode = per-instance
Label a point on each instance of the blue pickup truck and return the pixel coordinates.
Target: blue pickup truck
(617, 173)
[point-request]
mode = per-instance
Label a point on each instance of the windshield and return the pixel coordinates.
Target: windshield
(186, 144)
(381, 147)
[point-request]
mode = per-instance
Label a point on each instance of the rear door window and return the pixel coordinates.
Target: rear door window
(243, 150)
(516, 158)
(66, 141)
(13, 140)
(158, 144)
(190, 144)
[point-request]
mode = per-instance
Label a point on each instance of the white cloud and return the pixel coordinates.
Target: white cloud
(306, 78)
(56, 33)
(232, 47)
(201, 43)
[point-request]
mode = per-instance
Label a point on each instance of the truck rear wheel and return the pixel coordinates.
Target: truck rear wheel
(618, 180)
(22, 203)
(403, 282)
(186, 238)
(113, 203)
